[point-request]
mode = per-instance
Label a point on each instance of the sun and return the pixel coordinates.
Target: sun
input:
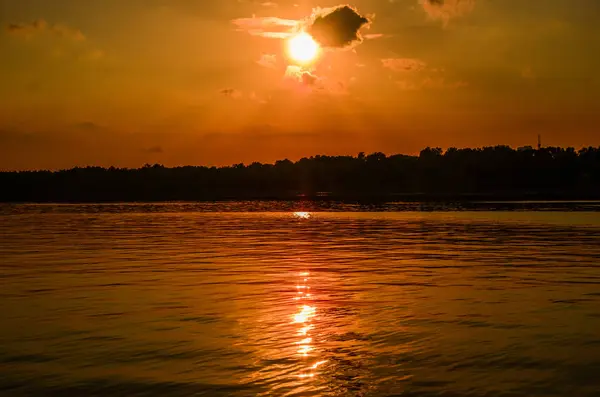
(302, 48)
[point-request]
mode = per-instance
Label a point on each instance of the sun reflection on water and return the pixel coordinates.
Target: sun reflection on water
(302, 214)
(304, 317)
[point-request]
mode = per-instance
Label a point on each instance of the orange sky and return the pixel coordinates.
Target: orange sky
(193, 82)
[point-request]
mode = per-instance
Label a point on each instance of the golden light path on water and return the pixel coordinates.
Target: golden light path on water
(304, 318)
(302, 214)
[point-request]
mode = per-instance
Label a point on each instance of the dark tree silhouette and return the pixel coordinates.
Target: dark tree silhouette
(498, 172)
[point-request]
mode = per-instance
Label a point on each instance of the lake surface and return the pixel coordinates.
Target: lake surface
(300, 299)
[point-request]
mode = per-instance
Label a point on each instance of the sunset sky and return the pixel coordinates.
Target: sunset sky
(202, 82)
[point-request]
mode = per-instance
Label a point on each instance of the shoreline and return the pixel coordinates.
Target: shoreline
(412, 198)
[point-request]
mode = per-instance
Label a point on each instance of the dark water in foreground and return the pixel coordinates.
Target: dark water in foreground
(183, 299)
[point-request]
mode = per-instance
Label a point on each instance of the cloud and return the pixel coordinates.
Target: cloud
(40, 26)
(308, 81)
(268, 61)
(270, 27)
(302, 76)
(334, 27)
(231, 93)
(447, 9)
(403, 64)
(337, 27)
(372, 36)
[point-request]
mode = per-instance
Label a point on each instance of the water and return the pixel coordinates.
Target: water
(211, 299)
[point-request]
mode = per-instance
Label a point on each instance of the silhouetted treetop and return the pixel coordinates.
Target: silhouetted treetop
(498, 171)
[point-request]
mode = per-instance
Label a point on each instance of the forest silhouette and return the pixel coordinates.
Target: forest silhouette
(499, 172)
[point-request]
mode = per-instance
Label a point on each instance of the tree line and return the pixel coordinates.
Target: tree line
(498, 172)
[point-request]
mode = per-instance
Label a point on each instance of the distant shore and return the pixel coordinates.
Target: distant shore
(498, 173)
(556, 197)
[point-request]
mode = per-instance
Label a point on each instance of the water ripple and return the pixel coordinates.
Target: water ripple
(262, 299)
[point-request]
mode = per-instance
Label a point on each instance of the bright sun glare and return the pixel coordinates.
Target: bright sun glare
(303, 48)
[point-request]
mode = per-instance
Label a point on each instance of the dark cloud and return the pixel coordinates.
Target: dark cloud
(27, 28)
(40, 26)
(231, 93)
(334, 28)
(308, 78)
(337, 27)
